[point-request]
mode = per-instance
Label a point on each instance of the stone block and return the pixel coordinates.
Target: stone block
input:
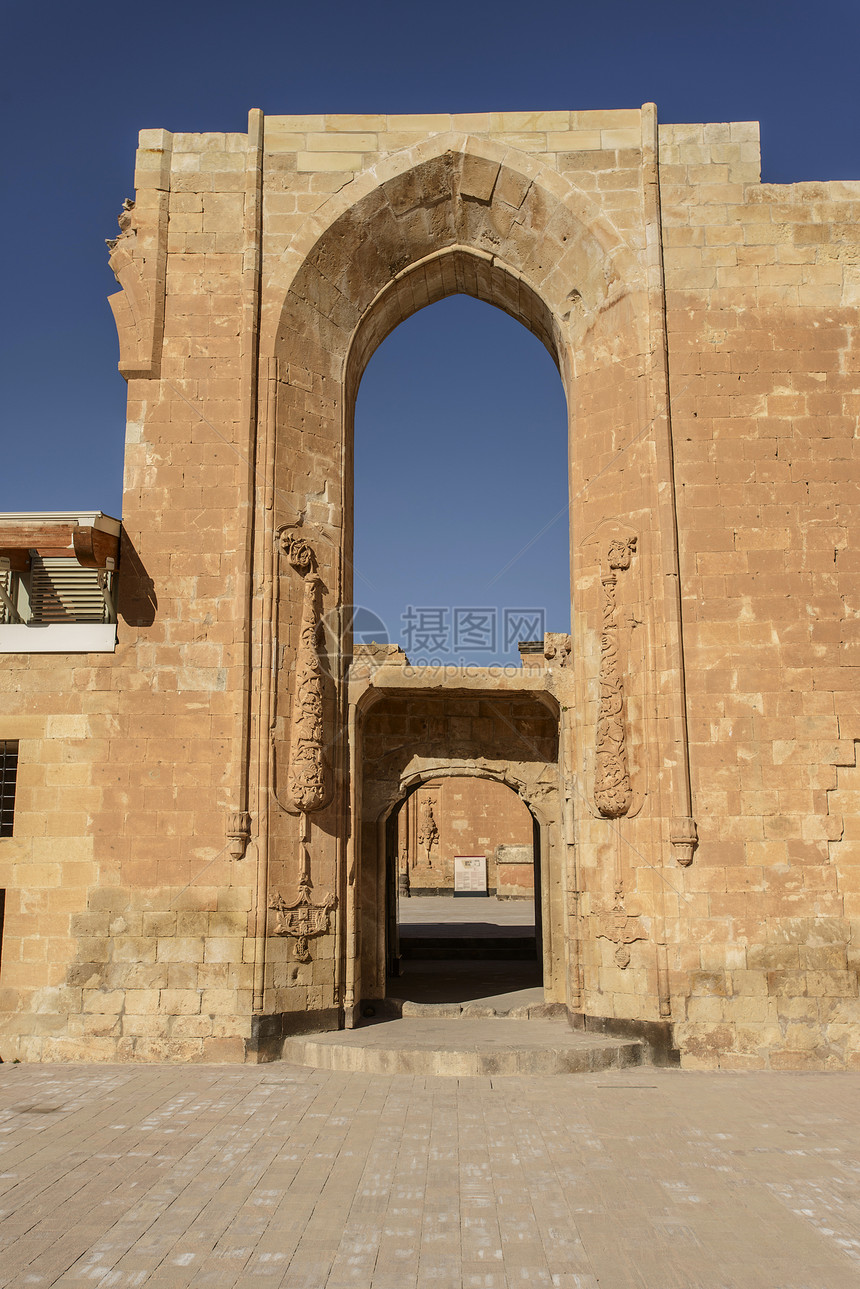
(224, 1048)
(188, 1026)
(337, 161)
(179, 1002)
(107, 1002)
(181, 949)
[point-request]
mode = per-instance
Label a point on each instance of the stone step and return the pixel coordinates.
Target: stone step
(525, 1004)
(463, 1048)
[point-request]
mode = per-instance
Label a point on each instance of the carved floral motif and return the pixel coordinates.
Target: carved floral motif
(620, 927)
(612, 789)
(307, 778)
(303, 919)
(299, 552)
(428, 830)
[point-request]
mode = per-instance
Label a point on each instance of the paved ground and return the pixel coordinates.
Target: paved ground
(469, 920)
(448, 910)
(217, 1176)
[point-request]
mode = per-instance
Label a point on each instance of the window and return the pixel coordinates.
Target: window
(8, 778)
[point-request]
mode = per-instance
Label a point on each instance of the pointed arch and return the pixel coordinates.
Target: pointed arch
(451, 166)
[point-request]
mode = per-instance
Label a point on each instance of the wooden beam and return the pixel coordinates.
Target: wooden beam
(93, 548)
(27, 536)
(19, 560)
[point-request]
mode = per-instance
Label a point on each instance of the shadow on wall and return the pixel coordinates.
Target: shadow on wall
(137, 602)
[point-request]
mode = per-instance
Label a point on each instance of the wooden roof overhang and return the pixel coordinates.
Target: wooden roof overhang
(92, 540)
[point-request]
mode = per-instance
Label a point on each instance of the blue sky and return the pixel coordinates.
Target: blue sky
(80, 80)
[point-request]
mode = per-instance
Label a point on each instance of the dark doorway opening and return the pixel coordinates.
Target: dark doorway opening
(452, 946)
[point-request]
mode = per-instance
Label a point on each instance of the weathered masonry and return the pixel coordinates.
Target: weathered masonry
(194, 862)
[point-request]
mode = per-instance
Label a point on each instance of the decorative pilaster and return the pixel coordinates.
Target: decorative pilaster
(428, 831)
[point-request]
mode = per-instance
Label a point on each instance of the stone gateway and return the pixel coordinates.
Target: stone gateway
(202, 774)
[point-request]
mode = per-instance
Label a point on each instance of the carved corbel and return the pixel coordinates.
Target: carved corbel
(238, 832)
(138, 262)
(132, 313)
(613, 793)
(685, 838)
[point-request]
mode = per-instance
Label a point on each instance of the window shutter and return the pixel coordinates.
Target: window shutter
(6, 583)
(62, 591)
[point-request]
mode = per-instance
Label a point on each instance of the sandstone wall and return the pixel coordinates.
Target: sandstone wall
(762, 288)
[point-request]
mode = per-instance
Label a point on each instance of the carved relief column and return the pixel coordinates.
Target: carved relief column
(612, 791)
(308, 777)
(308, 772)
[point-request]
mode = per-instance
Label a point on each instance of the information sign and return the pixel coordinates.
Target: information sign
(470, 875)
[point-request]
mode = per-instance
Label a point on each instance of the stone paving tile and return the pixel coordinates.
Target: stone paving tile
(208, 1177)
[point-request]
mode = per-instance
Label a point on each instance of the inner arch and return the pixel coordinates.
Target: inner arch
(463, 860)
(455, 270)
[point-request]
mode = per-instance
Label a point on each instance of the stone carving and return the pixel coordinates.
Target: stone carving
(612, 790)
(403, 884)
(126, 225)
(307, 780)
(303, 919)
(238, 832)
(556, 649)
(619, 926)
(428, 831)
(685, 838)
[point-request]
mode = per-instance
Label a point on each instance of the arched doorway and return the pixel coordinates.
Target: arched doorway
(463, 894)
(405, 741)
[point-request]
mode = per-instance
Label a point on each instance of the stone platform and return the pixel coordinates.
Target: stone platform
(463, 1046)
